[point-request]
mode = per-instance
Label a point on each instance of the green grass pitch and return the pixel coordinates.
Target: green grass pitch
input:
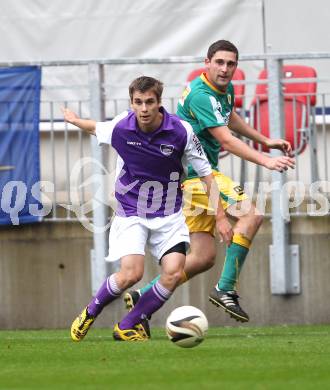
(281, 357)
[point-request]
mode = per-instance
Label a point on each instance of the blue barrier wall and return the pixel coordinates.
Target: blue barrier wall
(19, 144)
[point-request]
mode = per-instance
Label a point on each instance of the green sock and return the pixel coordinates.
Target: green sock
(235, 256)
(149, 285)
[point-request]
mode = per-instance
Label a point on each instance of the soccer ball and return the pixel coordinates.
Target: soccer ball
(186, 326)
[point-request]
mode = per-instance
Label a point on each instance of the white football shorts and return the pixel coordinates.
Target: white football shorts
(130, 235)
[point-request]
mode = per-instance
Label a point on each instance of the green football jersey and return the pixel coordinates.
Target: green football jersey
(204, 106)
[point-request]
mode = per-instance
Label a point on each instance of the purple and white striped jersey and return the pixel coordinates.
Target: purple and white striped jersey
(150, 165)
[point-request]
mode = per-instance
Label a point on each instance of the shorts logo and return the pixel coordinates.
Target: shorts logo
(239, 190)
(167, 150)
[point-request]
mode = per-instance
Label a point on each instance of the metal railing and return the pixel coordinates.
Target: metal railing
(66, 145)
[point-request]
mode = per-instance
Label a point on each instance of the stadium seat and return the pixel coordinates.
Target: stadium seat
(298, 99)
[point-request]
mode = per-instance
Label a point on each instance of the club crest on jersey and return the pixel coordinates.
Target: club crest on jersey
(229, 98)
(167, 150)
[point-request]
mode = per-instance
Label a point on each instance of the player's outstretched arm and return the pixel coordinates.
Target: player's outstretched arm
(241, 149)
(224, 227)
(238, 125)
(280, 144)
(280, 163)
(88, 125)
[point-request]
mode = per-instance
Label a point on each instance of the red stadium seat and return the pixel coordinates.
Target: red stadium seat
(239, 89)
(194, 74)
(298, 99)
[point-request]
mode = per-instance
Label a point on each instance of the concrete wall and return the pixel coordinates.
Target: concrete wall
(45, 278)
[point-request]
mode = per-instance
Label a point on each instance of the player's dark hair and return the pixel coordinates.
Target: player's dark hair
(144, 84)
(223, 46)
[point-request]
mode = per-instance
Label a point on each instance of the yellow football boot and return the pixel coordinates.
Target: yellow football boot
(81, 325)
(128, 334)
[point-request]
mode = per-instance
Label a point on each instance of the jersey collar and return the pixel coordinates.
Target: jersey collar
(167, 123)
(209, 84)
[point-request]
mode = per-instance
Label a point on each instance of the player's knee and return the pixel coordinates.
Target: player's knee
(130, 278)
(208, 258)
(173, 279)
(257, 218)
(176, 277)
(209, 261)
(201, 261)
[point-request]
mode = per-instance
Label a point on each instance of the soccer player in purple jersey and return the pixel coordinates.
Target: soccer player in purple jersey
(154, 149)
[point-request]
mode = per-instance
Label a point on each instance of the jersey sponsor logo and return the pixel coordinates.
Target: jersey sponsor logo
(198, 145)
(133, 143)
(239, 190)
(217, 109)
(167, 150)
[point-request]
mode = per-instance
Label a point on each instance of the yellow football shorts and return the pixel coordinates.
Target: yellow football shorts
(199, 214)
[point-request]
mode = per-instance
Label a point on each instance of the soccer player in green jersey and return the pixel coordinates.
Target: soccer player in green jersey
(207, 104)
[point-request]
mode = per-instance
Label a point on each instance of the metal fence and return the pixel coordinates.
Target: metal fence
(63, 145)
